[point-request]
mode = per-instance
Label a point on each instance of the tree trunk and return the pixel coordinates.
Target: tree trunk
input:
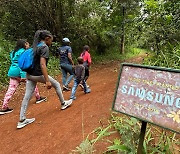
(123, 31)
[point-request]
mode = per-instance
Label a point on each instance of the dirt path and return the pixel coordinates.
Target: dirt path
(56, 131)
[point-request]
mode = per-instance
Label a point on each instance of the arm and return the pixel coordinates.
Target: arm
(70, 58)
(44, 71)
(89, 59)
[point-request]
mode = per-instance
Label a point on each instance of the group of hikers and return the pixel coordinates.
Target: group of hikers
(38, 73)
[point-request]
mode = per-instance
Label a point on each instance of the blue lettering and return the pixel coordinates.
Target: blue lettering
(131, 91)
(149, 96)
(124, 89)
(158, 98)
(178, 102)
(140, 93)
(169, 100)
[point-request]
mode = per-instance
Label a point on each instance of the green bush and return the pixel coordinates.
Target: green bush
(53, 66)
(5, 48)
(167, 57)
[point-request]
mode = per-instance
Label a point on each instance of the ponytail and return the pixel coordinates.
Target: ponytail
(36, 39)
(40, 35)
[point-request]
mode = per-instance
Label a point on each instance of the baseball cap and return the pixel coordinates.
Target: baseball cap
(66, 40)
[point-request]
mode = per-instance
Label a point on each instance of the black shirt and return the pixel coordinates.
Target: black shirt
(42, 51)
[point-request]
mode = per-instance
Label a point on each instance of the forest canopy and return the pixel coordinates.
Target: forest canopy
(103, 24)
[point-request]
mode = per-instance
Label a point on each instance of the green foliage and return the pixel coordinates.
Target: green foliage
(169, 57)
(129, 131)
(53, 66)
(5, 48)
(87, 146)
(113, 54)
(158, 24)
(156, 140)
(119, 148)
(165, 142)
(100, 24)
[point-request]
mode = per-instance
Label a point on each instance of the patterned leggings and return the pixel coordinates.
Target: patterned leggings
(14, 82)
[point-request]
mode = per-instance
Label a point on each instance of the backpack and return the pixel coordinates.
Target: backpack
(26, 60)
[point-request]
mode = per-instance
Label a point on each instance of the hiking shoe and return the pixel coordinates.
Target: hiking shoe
(5, 111)
(66, 88)
(66, 104)
(41, 99)
(25, 122)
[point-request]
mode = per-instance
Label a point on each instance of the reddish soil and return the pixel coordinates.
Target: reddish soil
(57, 131)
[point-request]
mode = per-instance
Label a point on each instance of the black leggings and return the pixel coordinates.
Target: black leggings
(86, 73)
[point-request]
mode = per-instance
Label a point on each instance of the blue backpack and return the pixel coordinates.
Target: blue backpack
(26, 60)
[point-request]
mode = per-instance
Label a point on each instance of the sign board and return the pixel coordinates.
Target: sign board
(150, 94)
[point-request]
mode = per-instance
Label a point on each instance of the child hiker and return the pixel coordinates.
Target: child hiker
(16, 76)
(79, 75)
(39, 73)
(87, 62)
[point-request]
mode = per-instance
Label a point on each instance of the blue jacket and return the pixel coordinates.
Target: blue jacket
(14, 70)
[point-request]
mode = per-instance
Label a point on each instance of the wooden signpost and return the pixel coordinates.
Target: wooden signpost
(150, 94)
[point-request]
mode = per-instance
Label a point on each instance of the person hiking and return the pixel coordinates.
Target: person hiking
(79, 76)
(87, 62)
(16, 76)
(66, 63)
(39, 73)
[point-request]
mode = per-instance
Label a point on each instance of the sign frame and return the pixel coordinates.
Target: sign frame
(146, 67)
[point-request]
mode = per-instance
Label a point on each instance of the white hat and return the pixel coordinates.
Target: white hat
(66, 40)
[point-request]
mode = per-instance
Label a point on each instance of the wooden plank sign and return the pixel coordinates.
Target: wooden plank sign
(150, 94)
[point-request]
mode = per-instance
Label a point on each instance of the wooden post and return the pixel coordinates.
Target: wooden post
(141, 137)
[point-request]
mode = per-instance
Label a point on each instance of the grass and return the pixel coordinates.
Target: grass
(114, 55)
(157, 140)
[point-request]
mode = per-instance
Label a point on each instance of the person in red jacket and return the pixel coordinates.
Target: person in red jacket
(87, 61)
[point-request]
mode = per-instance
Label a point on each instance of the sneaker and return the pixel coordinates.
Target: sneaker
(81, 86)
(41, 99)
(66, 88)
(88, 91)
(73, 98)
(66, 104)
(25, 122)
(5, 111)
(87, 86)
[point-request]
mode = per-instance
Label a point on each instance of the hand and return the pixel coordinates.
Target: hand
(48, 85)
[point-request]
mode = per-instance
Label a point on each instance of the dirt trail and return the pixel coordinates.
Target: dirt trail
(56, 131)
